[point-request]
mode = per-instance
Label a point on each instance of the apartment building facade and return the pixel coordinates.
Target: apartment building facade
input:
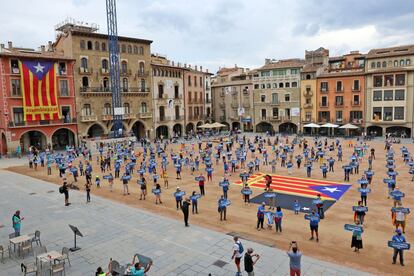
(232, 98)
(194, 97)
(315, 62)
(167, 97)
(37, 99)
(389, 91)
(340, 93)
(276, 96)
(92, 80)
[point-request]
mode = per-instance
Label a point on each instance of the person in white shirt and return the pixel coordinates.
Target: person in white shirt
(237, 254)
(400, 218)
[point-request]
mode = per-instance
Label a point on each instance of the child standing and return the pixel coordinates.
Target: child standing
(296, 207)
(97, 181)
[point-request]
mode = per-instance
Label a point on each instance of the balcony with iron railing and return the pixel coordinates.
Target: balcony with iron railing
(85, 70)
(142, 74)
(276, 102)
(323, 105)
(125, 72)
(144, 115)
(355, 103)
(356, 89)
(324, 90)
(307, 93)
(163, 119)
(339, 104)
(107, 117)
(178, 118)
(65, 121)
(105, 71)
(339, 89)
(107, 89)
(129, 116)
(89, 118)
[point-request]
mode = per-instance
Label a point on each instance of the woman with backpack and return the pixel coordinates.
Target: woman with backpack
(237, 254)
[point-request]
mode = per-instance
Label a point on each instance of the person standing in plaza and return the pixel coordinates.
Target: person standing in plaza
(314, 224)
(201, 183)
(237, 254)
(88, 192)
(249, 262)
(64, 189)
(260, 216)
(294, 259)
(222, 208)
(398, 238)
(185, 208)
(17, 223)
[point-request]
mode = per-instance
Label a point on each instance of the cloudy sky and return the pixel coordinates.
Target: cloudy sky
(219, 33)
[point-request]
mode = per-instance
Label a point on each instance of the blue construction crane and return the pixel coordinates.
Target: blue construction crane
(114, 67)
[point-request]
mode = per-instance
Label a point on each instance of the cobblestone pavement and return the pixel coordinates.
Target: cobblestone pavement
(114, 230)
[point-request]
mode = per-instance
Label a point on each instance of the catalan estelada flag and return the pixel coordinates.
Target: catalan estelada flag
(301, 187)
(39, 87)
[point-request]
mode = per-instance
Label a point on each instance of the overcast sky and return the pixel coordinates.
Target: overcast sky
(219, 33)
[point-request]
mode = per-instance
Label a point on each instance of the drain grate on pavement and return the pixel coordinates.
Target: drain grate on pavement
(32, 193)
(51, 191)
(220, 263)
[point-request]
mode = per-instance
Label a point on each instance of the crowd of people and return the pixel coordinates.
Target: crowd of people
(238, 155)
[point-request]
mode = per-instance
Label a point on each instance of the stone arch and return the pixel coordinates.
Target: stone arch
(288, 128)
(3, 143)
(162, 131)
(139, 129)
(398, 131)
(189, 127)
(374, 130)
(178, 130)
(264, 126)
(63, 137)
(35, 138)
(95, 130)
(235, 125)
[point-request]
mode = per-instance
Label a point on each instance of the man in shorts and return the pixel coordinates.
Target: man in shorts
(400, 218)
(237, 254)
(314, 223)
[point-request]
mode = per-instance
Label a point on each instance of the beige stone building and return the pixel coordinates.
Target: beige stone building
(232, 97)
(315, 61)
(167, 96)
(92, 86)
(276, 90)
(389, 90)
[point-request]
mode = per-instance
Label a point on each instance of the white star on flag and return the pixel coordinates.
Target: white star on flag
(39, 68)
(331, 190)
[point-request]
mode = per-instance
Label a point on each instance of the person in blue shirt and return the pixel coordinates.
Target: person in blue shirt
(278, 219)
(398, 238)
(222, 208)
(178, 198)
(260, 216)
(194, 202)
(308, 169)
(331, 162)
(324, 169)
(364, 194)
(296, 207)
(138, 269)
(314, 224)
(225, 186)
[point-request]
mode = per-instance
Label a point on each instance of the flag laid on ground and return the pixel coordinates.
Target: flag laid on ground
(304, 190)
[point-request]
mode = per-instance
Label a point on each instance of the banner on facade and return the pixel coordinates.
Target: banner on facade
(240, 111)
(39, 88)
(295, 111)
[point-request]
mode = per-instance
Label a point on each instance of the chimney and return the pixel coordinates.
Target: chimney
(178, 64)
(172, 63)
(42, 48)
(235, 65)
(10, 44)
(189, 66)
(196, 67)
(201, 68)
(207, 70)
(2, 46)
(49, 46)
(185, 65)
(267, 60)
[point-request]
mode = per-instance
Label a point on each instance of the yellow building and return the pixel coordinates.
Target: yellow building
(92, 84)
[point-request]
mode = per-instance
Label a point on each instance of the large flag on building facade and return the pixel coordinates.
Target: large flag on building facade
(39, 87)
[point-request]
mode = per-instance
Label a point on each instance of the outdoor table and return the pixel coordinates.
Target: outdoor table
(125, 270)
(49, 257)
(19, 240)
